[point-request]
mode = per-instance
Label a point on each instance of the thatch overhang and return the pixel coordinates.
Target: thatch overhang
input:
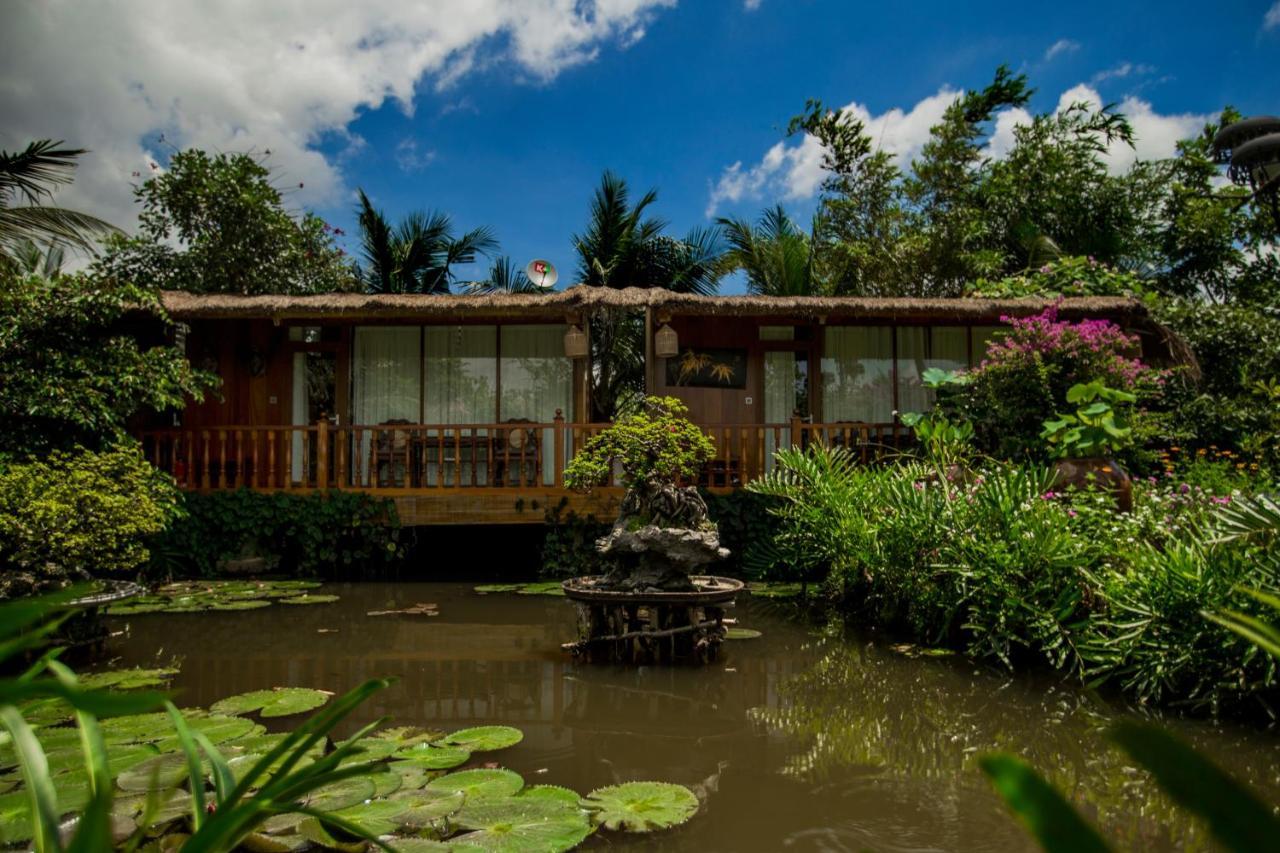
(576, 300)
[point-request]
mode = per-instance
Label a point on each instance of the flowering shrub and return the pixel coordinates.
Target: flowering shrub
(1027, 372)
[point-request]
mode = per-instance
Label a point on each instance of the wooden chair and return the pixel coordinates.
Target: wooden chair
(516, 456)
(390, 452)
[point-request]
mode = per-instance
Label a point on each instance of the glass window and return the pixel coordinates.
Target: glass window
(857, 374)
(462, 374)
(386, 381)
(920, 348)
(305, 334)
(537, 380)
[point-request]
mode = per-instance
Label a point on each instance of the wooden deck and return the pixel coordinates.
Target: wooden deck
(492, 473)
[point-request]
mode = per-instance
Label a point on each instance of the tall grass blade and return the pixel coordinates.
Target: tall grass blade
(1051, 819)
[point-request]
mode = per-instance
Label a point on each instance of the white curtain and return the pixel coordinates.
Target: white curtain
(920, 348)
(386, 381)
(780, 381)
(299, 411)
(461, 365)
(857, 374)
(537, 380)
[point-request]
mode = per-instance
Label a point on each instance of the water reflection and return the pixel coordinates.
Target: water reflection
(794, 741)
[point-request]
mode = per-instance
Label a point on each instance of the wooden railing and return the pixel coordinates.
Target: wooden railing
(401, 458)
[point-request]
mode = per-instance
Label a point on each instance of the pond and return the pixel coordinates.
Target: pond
(797, 740)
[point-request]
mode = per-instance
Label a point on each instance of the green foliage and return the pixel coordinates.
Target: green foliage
(641, 806)
(655, 441)
(775, 255)
(569, 545)
(746, 529)
(998, 565)
(214, 223)
(945, 439)
(280, 702)
(1066, 276)
(28, 180)
(1046, 814)
(1097, 428)
(70, 372)
(78, 514)
(336, 533)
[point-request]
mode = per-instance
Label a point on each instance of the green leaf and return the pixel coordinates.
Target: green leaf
(1236, 817)
(736, 633)
(431, 757)
(308, 598)
(478, 784)
(485, 738)
(518, 825)
(641, 806)
(1049, 817)
(280, 702)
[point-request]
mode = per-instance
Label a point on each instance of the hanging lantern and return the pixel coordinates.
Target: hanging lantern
(575, 343)
(666, 344)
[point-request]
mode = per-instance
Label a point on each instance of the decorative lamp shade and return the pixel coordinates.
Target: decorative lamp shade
(666, 344)
(575, 343)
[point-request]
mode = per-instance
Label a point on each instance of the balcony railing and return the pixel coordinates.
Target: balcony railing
(430, 458)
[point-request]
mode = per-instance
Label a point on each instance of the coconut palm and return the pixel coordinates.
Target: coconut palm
(28, 180)
(776, 256)
(504, 277)
(30, 258)
(623, 246)
(418, 255)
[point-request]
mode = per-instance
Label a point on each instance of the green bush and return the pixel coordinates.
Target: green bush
(78, 514)
(569, 546)
(746, 529)
(999, 565)
(1067, 276)
(654, 441)
(331, 534)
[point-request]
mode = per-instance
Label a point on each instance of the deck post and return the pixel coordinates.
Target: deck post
(797, 424)
(322, 453)
(557, 440)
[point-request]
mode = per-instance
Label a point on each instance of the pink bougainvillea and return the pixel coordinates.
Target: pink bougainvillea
(1100, 347)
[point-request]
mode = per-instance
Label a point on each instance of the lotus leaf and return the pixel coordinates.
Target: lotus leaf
(159, 773)
(426, 807)
(551, 792)
(308, 598)
(479, 784)
(386, 781)
(280, 702)
(522, 826)
(430, 757)
(641, 806)
(412, 776)
(378, 817)
(485, 738)
(127, 679)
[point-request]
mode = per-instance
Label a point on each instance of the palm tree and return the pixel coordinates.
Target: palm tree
(418, 255)
(623, 247)
(28, 179)
(29, 258)
(776, 256)
(504, 277)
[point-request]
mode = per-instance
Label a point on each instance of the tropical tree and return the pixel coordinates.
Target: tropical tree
(504, 277)
(419, 254)
(776, 256)
(622, 246)
(28, 180)
(216, 223)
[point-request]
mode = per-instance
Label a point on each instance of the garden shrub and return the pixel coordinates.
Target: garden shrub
(1026, 373)
(746, 528)
(569, 546)
(78, 514)
(328, 534)
(1068, 276)
(999, 565)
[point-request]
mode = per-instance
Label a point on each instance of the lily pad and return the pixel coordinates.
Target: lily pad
(542, 588)
(641, 806)
(426, 807)
(551, 792)
(314, 831)
(240, 605)
(256, 842)
(342, 794)
(431, 757)
(379, 817)
(479, 784)
(765, 589)
(127, 679)
(160, 773)
(280, 702)
(430, 845)
(498, 587)
(742, 634)
(515, 824)
(408, 735)
(308, 598)
(485, 738)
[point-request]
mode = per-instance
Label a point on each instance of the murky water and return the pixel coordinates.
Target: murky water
(797, 741)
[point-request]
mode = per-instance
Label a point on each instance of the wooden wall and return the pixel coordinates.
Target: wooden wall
(718, 405)
(232, 349)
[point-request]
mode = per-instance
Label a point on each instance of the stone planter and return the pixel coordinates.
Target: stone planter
(1097, 471)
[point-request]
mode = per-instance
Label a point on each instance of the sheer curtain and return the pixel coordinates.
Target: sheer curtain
(779, 399)
(920, 348)
(386, 379)
(462, 388)
(537, 379)
(857, 374)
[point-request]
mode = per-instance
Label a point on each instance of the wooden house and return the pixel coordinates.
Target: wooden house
(465, 409)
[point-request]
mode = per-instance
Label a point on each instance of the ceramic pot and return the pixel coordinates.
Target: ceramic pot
(1098, 471)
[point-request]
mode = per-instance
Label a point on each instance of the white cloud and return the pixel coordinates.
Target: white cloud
(1271, 20)
(229, 75)
(1060, 47)
(751, 5)
(1124, 69)
(792, 171)
(411, 158)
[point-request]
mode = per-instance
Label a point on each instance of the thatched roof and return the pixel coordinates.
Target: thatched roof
(362, 306)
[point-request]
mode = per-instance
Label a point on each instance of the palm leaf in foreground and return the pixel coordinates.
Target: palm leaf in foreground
(1047, 815)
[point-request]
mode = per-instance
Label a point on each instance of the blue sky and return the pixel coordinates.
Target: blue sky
(508, 118)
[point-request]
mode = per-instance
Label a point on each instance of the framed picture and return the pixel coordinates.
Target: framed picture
(708, 368)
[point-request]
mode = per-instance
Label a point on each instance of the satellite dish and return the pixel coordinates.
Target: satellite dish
(542, 273)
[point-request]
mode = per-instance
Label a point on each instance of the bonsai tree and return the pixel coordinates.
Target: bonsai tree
(662, 530)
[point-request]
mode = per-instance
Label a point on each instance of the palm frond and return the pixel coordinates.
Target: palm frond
(35, 172)
(376, 247)
(19, 225)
